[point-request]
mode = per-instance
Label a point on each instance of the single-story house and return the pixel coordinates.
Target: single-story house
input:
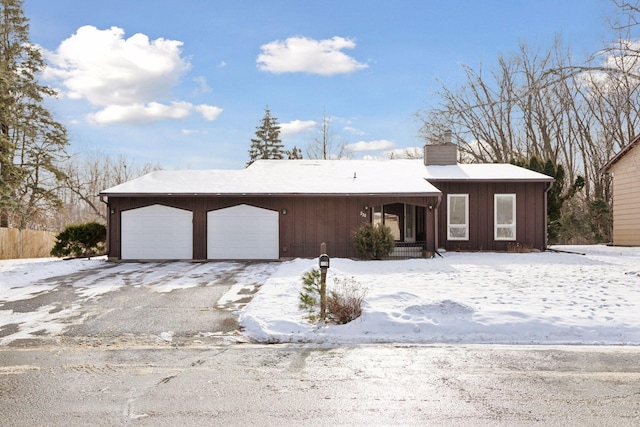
(624, 168)
(286, 208)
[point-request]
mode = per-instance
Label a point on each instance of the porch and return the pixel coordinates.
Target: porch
(402, 250)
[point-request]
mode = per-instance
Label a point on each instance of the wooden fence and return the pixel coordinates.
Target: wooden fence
(16, 243)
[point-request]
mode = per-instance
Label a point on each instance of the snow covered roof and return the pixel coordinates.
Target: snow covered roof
(484, 172)
(273, 177)
(319, 177)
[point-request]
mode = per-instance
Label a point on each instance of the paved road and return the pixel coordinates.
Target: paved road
(245, 384)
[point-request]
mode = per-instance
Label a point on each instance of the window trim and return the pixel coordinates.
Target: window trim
(497, 226)
(458, 226)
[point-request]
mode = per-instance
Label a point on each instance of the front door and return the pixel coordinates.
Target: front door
(400, 218)
(409, 223)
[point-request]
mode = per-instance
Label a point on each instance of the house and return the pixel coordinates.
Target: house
(286, 208)
(624, 167)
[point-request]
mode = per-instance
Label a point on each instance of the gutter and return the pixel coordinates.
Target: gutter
(399, 194)
(435, 224)
(546, 215)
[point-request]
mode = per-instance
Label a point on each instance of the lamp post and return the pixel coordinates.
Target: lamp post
(323, 261)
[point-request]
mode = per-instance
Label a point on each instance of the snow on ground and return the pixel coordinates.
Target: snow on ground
(535, 298)
(27, 279)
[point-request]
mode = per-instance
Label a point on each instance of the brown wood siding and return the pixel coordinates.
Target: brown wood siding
(308, 222)
(530, 214)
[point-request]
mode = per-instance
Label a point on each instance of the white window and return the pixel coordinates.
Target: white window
(504, 211)
(458, 217)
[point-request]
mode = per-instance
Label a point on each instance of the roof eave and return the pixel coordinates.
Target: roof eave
(389, 194)
(620, 155)
(490, 180)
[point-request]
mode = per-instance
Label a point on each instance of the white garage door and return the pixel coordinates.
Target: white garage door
(242, 232)
(157, 232)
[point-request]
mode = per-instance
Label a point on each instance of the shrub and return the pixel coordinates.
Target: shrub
(344, 302)
(80, 240)
(373, 241)
(519, 247)
(310, 295)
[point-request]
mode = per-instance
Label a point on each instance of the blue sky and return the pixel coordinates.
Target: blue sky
(184, 84)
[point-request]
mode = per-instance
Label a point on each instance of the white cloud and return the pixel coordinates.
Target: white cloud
(203, 87)
(192, 131)
(297, 126)
(300, 54)
(209, 112)
(140, 113)
(377, 145)
(126, 77)
(153, 111)
(354, 131)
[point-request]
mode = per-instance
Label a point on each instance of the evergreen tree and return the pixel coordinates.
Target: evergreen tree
(294, 154)
(557, 194)
(267, 143)
(32, 143)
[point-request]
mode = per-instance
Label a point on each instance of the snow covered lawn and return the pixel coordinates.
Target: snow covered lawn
(536, 298)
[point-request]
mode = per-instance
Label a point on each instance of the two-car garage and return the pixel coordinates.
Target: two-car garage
(163, 232)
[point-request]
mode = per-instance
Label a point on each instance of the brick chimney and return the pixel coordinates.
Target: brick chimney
(442, 153)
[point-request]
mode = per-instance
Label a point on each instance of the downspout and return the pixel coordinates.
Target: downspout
(436, 220)
(546, 216)
(108, 222)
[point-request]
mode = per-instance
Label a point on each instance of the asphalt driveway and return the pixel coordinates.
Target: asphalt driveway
(133, 304)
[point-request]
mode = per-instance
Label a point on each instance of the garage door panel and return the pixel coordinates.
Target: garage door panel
(243, 232)
(157, 232)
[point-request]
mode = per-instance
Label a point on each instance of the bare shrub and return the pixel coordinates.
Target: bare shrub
(519, 247)
(344, 302)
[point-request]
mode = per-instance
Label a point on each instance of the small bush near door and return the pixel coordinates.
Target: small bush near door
(374, 241)
(80, 240)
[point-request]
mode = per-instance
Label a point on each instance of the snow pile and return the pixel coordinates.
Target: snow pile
(536, 298)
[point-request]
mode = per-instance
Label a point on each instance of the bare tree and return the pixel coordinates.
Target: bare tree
(323, 146)
(536, 103)
(86, 176)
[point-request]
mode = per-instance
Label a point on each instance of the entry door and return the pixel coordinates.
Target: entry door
(409, 223)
